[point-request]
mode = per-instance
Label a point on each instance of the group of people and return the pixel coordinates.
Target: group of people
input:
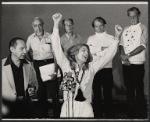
(89, 65)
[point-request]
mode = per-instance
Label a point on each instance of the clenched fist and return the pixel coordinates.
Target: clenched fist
(118, 30)
(56, 18)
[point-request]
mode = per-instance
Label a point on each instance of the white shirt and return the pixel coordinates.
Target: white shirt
(41, 48)
(94, 66)
(132, 37)
(98, 44)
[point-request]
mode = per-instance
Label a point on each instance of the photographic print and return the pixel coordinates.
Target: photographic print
(100, 56)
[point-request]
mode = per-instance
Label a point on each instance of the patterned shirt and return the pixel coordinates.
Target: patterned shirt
(132, 37)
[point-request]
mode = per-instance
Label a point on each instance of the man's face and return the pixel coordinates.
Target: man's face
(68, 26)
(83, 54)
(38, 27)
(98, 26)
(19, 50)
(134, 17)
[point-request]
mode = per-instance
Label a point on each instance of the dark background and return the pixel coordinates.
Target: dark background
(17, 19)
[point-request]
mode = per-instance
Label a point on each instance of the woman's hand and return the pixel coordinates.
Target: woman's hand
(56, 18)
(118, 31)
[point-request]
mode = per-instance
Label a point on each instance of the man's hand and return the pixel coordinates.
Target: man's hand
(53, 76)
(118, 30)
(56, 18)
(124, 57)
(126, 62)
(31, 91)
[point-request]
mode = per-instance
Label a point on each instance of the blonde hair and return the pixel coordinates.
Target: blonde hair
(73, 51)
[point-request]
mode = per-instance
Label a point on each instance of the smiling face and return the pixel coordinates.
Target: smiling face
(38, 27)
(82, 55)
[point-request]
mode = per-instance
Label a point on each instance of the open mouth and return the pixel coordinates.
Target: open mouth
(85, 57)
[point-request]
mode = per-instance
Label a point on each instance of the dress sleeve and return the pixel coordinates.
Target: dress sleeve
(100, 62)
(60, 57)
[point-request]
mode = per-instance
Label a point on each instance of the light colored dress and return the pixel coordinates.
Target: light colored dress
(87, 80)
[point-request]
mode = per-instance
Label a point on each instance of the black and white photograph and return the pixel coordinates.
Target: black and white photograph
(75, 61)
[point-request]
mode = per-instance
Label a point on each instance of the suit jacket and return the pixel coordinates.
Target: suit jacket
(8, 84)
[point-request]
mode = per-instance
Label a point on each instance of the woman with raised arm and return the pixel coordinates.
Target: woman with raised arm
(78, 72)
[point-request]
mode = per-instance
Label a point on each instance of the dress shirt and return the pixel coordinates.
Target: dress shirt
(94, 66)
(98, 43)
(41, 48)
(132, 37)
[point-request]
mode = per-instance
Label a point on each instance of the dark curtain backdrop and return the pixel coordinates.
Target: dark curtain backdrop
(17, 19)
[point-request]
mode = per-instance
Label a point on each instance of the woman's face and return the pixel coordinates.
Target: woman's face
(83, 54)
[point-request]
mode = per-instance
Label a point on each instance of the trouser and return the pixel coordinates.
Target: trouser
(133, 79)
(103, 80)
(48, 88)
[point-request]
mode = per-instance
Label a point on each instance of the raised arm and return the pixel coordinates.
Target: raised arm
(100, 62)
(55, 38)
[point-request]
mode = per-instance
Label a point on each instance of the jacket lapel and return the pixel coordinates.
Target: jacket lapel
(8, 71)
(26, 71)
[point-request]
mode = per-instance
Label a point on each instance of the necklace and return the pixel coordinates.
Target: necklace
(76, 76)
(79, 97)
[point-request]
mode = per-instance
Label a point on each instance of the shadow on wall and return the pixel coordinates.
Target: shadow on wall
(119, 87)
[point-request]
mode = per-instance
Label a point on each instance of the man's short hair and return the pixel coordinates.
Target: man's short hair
(39, 19)
(133, 9)
(68, 19)
(100, 19)
(13, 41)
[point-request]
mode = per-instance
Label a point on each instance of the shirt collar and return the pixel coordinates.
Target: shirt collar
(34, 34)
(135, 26)
(9, 61)
(77, 67)
(73, 36)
